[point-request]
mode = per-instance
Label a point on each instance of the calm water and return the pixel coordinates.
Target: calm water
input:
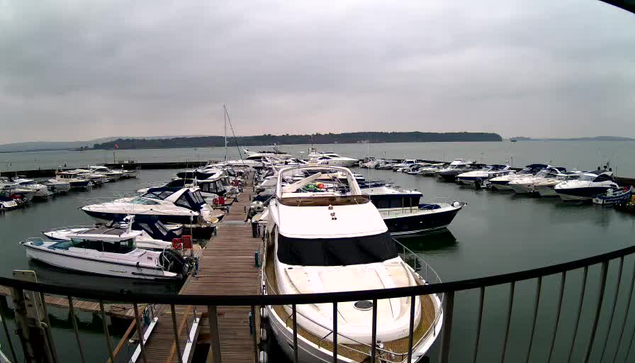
(495, 233)
(581, 155)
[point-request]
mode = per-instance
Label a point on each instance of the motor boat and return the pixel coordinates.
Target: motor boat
(58, 186)
(154, 234)
(545, 188)
(404, 214)
(502, 182)
(477, 178)
(211, 189)
(614, 196)
(208, 171)
(525, 185)
(40, 191)
(274, 153)
(414, 169)
(457, 167)
(432, 169)
(334, 159)
(169, 205)
(325, 236)
(74, 178)
(14, 191)
(111, 252)
(589, 185)
(405, 164)
(109, 174)
(7, 203)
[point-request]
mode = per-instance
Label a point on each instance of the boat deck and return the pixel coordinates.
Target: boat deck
(226, 267)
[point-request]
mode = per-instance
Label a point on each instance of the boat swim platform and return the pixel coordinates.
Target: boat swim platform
(226, 267)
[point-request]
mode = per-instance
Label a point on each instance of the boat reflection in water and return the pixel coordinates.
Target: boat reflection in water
(441, 241)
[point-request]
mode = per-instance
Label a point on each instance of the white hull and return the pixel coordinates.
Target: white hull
(501, 187)
(522, 188)
(311, 353)
(72, 262)
(569, 197)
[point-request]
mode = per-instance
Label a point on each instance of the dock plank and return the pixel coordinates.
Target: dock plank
(226, 267)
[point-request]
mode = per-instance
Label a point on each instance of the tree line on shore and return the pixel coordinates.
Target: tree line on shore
(286, 139)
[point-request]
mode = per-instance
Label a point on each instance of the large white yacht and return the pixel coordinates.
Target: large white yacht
(479, 177)
(74, 178)
(589, 185)
(330, 158)
(111, 175)
(456, 167)
(325, 236)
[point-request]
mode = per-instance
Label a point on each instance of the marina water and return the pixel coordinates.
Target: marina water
(495, 233)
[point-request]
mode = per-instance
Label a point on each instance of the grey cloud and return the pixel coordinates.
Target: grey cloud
(84, 70)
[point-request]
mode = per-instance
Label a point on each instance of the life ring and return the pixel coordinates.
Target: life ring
(177, 244)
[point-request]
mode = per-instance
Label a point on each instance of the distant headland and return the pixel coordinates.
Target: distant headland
(287, 139)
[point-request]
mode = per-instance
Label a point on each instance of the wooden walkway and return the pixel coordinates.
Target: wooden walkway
(226, 267)
(121, 311)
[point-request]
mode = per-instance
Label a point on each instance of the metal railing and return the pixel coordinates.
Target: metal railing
(448, 289)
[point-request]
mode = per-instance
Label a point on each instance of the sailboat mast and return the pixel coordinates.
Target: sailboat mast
(225, 125)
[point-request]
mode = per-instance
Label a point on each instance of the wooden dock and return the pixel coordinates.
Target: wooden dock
(226, 267)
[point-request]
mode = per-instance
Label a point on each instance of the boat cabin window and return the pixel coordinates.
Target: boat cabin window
(603, 177)
(192, 200)
(336, 251)
(588, 177)
(158, 194)
(124, 246)
(144, 201)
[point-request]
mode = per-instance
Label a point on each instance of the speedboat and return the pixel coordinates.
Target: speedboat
(502, 182)
(477, 178)
(525, 185)
(399, 167)
(40, 191)
(208, 171)
(589, 185)
(457, 167)
(323, 238)
(111, 253)
(14, 191)
(545, 187)
(334, 159)
(169, 205)
(74, 178)
(154, 234)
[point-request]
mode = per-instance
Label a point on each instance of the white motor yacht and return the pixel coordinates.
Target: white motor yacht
(458, 166)
(479, 177)
(169, 205)
(14, 191)
(40, 191)
(111, 175)
(525, 185)
(502, 182)
(154, 234)
(431, 170)
(74, 178)
(587, 186)
(324, 238)
(58, 186)
(110, 253)
(545, 188)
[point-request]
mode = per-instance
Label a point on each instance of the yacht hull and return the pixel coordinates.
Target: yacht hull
(500, 185)
(418, 221)
(578, 194)
(546, 191)
(94, 266)
(522, 188)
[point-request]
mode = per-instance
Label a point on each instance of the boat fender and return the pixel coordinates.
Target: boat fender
(263, 357)
(177, 244)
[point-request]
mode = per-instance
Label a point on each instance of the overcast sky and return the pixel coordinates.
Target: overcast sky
(78, 70)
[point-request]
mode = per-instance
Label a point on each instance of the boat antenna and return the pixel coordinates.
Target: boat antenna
(229, 120)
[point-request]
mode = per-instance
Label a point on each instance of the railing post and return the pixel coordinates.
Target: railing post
(615, 297)
(254, 337)
(75, 327)
(628, 307)
(534, 319)
(373, 349)
(563, 281)
(512, 289)
(106, 332)
(294, 313)
(212, 313)
(6, 328)
(577, 321)
(411, 326)
(335, 316)
(140, 332)
(177, 338)
(479, 323)
(589, 348)
(448, 311)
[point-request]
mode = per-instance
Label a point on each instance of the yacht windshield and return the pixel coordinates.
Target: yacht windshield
(587, 177)
(336, 251)
(144, 201)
